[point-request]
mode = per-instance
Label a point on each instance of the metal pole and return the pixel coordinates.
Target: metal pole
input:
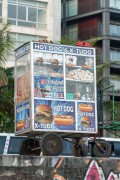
(113, 105)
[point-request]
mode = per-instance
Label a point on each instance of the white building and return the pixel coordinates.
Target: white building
(31, 20)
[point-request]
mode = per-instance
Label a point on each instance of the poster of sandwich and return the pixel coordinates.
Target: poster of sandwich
(22, 117)
(54, 115)
(86, 117)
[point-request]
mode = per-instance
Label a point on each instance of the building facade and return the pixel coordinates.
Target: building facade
(31, 20)
(86, 19)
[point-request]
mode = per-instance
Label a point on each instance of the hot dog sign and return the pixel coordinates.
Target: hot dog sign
(62, 116)
(54, 115)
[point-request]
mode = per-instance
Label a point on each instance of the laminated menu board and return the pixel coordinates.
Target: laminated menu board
(60, 82)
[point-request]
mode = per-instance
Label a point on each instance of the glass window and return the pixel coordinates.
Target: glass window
(26, 24)
(12, 22)
(27, 13)
(0, 9)
(71, 8)
(112, 3)
(116, 84)
(14, 145)
(61, 10)
(2, 143)
(112, 29)
(115, 4)
(118, 30)
(115, 29)
(73, 33)
(42, 16)
(117, 149)
(118, 55)
(11, 11)
(22, 12)
(112, 55)
(12, 1)
(26, 38)
(28, 2)
(67, 148)
(32, 14)
(115, 55)
(20, 39)
(118, 4)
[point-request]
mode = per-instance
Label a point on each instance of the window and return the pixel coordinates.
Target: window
(0, 8)
(21, 12)
(67, 148)
(14, 145)
(27, 13)
(2, 143)
(112, 29)
(117, 149)
(71, 8)
(115, 29)
(116, 85)
(115, 55)
(20, 39)
(115, 4)
(72, 33)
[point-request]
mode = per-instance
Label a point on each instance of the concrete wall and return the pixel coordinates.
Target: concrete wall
(58, 168)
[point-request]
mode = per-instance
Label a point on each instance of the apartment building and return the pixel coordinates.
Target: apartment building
(31, 20)
(86, 19)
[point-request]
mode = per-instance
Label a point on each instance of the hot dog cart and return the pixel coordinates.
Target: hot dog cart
(55, 94)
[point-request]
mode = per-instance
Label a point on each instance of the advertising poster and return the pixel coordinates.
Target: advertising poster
(23, 87)
(54, 115)
(23, 116)
(86, 117)
(49, 87)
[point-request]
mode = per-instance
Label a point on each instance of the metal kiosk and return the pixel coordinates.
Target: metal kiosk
(55, 97)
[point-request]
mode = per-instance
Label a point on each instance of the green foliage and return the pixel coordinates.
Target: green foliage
(66, 41)
(6, 43)
(6, 83)
(7, 103)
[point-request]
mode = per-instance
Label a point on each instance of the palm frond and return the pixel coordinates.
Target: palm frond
(93, 41)
(6, 43)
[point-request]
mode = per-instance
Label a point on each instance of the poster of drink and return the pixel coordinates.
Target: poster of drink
(23, 116)
(86, 117)
(48, 87)
(54, 115)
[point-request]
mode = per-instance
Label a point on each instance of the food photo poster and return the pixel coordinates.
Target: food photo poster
(86, 119)
(23, 121)
(64, 116)
(54, 115)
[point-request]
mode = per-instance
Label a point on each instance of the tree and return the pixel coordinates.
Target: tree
(6, 82)
(6, 45)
